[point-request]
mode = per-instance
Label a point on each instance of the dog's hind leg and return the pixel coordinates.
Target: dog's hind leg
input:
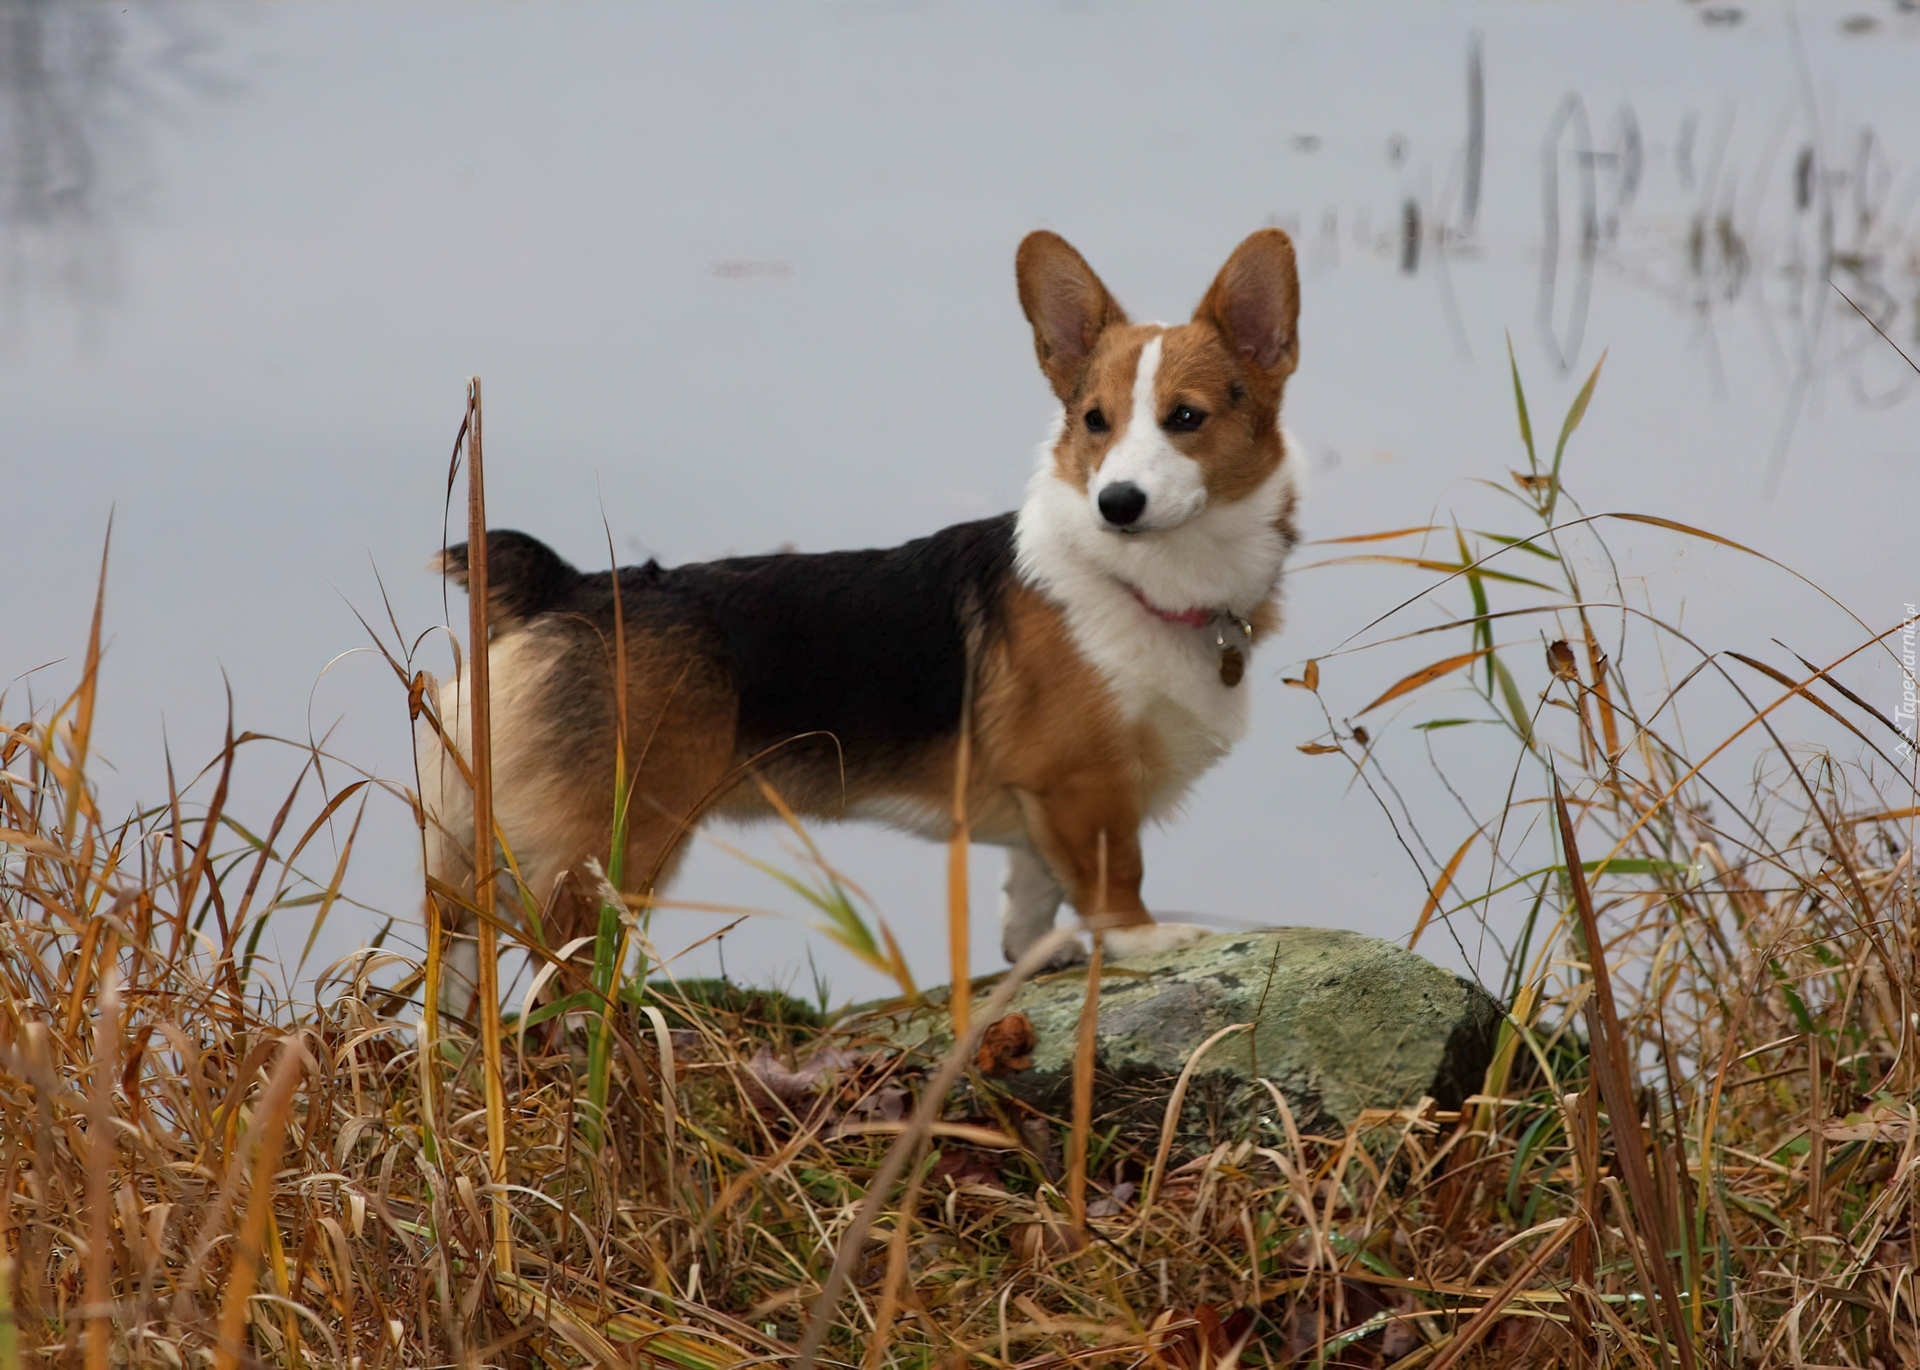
(446, 803)
(679, 764)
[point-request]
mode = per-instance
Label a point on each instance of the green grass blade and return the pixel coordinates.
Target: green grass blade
(1482, 625)
(1574, 415)
(1520, 405)
(1516, 705)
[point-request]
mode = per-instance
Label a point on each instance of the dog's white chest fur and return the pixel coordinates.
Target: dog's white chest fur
(1163, 675)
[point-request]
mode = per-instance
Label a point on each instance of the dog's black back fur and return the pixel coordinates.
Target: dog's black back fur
(870, 646)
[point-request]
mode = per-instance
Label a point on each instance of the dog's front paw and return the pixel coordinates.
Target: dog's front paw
(1068, 954)
(1144, 939)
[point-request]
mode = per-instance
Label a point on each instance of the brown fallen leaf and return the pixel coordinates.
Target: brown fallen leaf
(1198, 1337)
(1006, 1046)
(1114, 1202)
(888, 1104)
(965, 1165)
(794, 1087)
(1041, 1242)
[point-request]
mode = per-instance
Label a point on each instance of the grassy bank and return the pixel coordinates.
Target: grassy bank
(1699, 1148)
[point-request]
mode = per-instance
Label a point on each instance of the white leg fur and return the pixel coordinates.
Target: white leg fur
(1030, 898)
(449, 812)
(1125, 944)
(460, 975)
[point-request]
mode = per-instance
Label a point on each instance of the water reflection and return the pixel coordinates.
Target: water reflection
(1758, 225)
(81, 87)
(1568, 140)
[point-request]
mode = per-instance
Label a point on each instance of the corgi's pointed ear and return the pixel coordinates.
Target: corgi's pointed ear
(1066, 304)
(1255, 303)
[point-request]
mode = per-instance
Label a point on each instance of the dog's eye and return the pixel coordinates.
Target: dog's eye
(1096, 421)
(1185, 419)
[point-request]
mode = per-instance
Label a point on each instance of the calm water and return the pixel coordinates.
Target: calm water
(740, 276)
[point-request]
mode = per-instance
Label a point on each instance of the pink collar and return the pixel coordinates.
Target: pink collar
(1193, 618)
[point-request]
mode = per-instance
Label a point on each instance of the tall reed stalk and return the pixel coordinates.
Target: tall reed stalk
(484, 880)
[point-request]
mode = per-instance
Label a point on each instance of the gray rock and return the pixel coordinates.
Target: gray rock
(1342, 1023)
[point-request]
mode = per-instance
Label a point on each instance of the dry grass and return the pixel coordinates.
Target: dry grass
(1699, 1150)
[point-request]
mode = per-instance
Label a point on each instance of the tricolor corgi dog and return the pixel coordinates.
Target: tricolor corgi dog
(1088, 651)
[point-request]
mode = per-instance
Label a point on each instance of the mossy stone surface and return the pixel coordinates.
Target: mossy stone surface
(1342, 1023)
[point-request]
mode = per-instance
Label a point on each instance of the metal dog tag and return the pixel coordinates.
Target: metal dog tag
(1234, 637)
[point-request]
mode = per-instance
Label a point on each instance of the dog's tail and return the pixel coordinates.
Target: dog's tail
(525, 577)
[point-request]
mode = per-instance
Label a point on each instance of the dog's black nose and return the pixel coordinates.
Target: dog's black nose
(1122, 502)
